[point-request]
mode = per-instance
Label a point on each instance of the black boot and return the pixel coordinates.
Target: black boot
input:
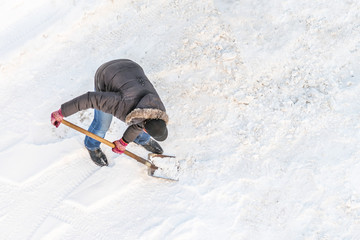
(98, 157)
(153, 146)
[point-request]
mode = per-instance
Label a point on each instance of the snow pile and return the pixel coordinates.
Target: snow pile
(263, 99)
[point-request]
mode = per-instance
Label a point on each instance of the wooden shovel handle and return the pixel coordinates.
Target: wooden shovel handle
(110, 144)
(87, 133)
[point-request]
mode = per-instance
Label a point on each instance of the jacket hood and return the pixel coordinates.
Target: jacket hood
(140, 114)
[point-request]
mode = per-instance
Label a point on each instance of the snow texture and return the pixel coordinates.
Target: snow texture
(264, 107)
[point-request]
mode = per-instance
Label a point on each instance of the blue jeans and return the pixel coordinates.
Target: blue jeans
(100, 125)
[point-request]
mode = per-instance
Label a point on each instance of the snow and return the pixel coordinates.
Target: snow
(263, 99)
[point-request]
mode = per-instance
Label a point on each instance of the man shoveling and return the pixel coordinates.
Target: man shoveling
(121, 90)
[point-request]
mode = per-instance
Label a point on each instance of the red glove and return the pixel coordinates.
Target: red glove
(120, 146)
(56, 118)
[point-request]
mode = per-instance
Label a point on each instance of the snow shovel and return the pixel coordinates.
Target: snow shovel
(153, 170)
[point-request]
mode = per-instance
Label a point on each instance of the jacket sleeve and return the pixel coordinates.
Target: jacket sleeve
(132, 132)
(104, 101)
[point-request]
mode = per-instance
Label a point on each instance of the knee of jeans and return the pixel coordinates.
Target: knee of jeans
(142, 139)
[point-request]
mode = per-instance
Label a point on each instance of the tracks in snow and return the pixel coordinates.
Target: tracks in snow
(36, 198)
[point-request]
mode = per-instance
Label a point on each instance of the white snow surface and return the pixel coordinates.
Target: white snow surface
(264, 106)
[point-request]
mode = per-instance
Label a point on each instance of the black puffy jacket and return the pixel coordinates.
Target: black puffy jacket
(123, 90)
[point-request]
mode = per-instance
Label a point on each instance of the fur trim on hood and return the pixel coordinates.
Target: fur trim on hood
(140, 114)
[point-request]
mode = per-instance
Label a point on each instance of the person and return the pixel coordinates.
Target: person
(121, 90)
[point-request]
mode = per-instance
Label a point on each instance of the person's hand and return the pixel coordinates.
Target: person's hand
(56, 118)
(120, 146)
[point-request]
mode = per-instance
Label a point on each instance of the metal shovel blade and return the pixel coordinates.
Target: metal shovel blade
(166, 167)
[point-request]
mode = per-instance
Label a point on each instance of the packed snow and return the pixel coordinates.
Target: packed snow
(264, 106)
